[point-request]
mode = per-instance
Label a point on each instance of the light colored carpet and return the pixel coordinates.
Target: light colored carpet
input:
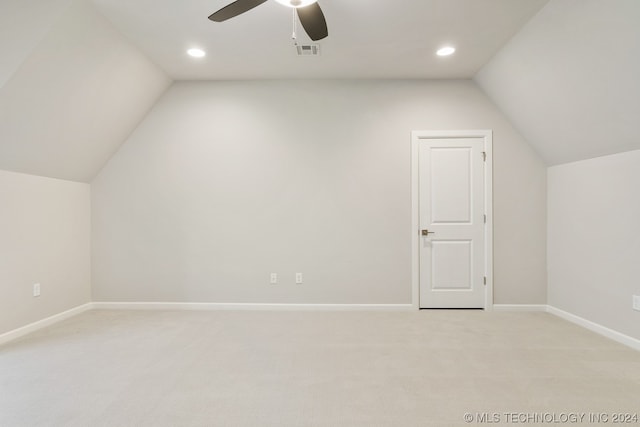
(400, 369)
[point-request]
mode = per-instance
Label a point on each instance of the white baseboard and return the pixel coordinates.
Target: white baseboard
(247, 307)
(597, 328)
(520, 307)
(35, 326)
(587, 324)
(41, 324)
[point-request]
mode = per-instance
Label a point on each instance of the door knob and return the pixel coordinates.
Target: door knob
(427, 232)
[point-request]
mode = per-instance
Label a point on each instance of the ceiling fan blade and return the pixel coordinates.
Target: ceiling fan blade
(313, 21)
(234, 9)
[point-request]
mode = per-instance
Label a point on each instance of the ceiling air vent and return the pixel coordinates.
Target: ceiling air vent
(308, 49)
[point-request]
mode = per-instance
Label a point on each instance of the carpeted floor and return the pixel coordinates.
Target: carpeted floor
(281, 369)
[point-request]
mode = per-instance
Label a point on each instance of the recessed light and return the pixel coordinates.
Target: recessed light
(196, 53)
(296, 3)
(446, 51)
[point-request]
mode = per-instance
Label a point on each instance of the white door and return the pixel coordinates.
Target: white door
(452, 222)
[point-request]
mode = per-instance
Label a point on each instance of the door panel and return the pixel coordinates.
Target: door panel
(450, 185)
(451, 192)
(451, 264)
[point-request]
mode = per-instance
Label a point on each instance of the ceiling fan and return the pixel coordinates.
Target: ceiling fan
(309, 13)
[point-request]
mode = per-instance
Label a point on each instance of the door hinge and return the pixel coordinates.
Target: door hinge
(485, 280)
(484, 156)
(485, 218)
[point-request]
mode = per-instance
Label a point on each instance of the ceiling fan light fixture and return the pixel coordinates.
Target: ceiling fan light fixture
(196, 53)
(296, 3)
(446, 51)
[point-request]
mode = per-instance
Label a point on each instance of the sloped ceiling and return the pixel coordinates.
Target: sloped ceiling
(570, 79)
(72, 88)
(23, 24)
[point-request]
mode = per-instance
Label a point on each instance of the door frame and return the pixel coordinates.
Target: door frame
(421, 135)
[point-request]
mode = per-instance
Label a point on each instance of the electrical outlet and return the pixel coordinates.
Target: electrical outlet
(36, 290)
(274, 278)
(298, 278)
(636, 302)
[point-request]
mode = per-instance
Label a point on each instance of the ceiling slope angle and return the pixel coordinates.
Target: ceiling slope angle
(23, 24)
(75, 97)
(568, 81)
(367, 39)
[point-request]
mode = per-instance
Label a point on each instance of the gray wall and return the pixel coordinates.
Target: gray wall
(594, 240)
(225, 182)
(44, 238)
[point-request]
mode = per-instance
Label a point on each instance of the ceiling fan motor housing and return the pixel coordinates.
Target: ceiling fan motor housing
(308, 11)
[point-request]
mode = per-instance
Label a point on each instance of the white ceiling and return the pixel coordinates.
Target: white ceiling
(367, 38)
(72, 87)
(23, 24)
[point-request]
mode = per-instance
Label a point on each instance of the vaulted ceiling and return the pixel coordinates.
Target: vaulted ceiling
(77, 76)
(72, 89)
(569, 81)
